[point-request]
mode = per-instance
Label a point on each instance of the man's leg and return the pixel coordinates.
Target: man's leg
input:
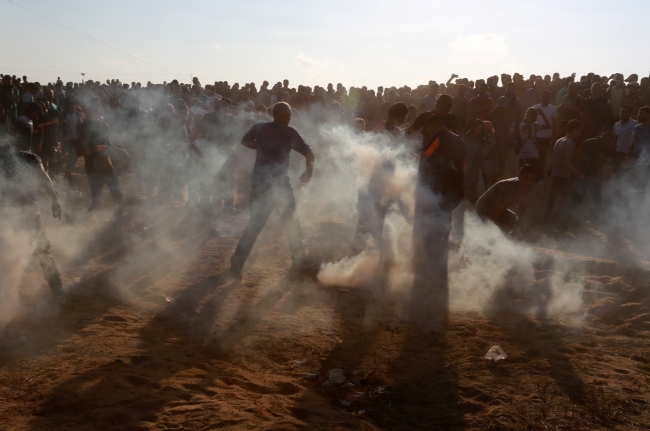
(543, 149)
(577, 196)
(617, 161)
(44, 256)
(285, 205)
(552, 197)
(225, 185)
(113, 183)
(595, 187)
(70, 157)
(563, 201)
(260, 207)
(95, 184)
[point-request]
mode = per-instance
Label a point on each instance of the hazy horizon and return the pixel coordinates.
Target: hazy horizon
(355, 43)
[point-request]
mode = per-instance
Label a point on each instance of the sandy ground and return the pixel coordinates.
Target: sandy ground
(157, 336)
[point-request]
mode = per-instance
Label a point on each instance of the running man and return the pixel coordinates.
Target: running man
(271, 189)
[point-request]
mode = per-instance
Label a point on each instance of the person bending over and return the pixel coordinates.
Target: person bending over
(495, 203)
(21, 176)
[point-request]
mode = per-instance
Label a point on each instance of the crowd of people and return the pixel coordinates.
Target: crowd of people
(568, 131)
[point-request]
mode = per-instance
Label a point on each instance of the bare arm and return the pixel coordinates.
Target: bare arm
(521, 227)
(570, 167)
(250, 144)
(310, 159)
(497, 212)
(48, 187)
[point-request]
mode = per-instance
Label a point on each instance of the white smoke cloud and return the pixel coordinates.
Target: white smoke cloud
(307, 61)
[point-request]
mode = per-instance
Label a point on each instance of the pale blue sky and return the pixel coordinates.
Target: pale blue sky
(356, 42)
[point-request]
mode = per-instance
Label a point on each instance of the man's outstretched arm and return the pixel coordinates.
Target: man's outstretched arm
(47, 185)
(310, 159)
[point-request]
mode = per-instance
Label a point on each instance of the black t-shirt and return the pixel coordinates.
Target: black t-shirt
(18, 180)
(590, 152)
(96, 138)
(451, 121)
(441, 167)
(274, 144)
(24, 129)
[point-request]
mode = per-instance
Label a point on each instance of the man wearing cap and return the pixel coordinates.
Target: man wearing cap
(439, 190)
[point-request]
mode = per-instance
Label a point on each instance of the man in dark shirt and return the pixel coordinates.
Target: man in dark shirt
(49, 131)
(439, 190)
(594, 112)
(97, 151)
(442, 111)
(591, 155)
(396, 116)
(481, 105)
(21, 175)
(271, 189)
(569, 108)
(24, 126)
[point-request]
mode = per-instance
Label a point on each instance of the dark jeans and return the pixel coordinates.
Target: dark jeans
(70, 157)
(560, 191)
(617, 161)
(371, 218)
(96, 183)
(592, 185)
(263, 200)
(543, 144)
(431, 228)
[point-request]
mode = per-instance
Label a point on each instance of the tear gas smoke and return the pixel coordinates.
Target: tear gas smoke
(486, 261)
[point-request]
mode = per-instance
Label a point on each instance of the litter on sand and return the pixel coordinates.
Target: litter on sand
(495, 353)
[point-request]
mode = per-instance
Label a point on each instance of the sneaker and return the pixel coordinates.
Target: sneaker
(235, 268)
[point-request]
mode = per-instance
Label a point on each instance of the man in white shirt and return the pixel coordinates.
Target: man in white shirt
(544, 135)
(561, 175)
(623, 131)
